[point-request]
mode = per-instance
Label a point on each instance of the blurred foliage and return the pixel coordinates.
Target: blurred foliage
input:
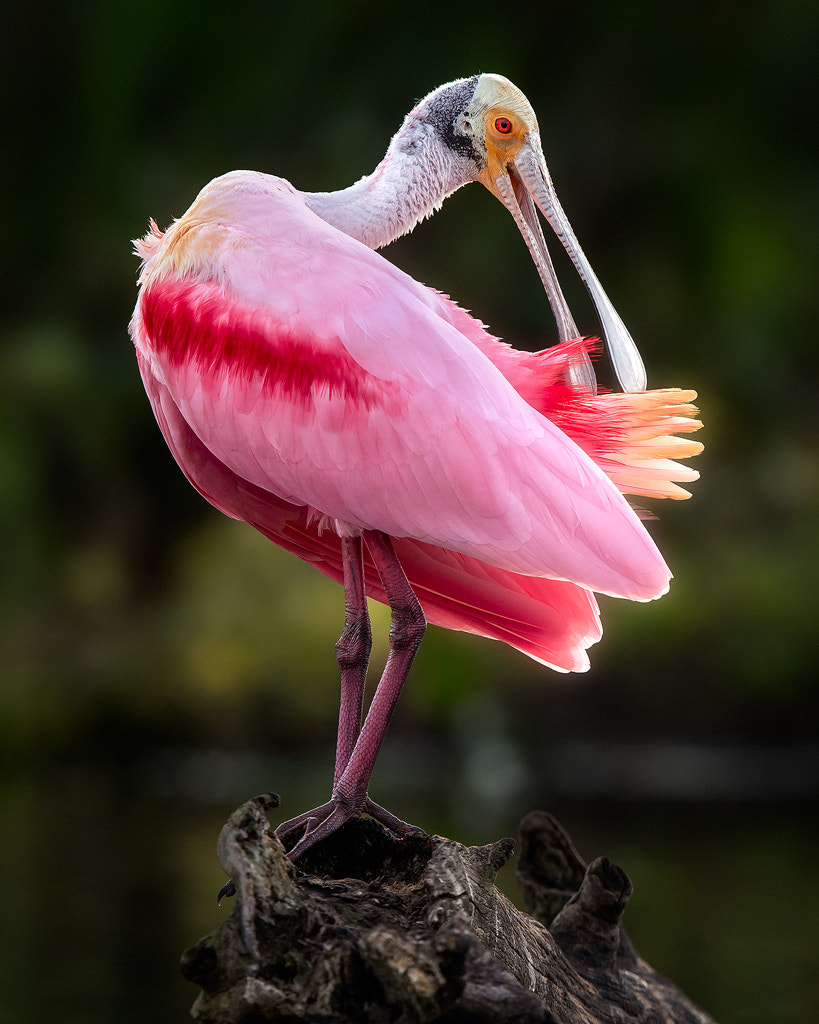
(681, 140)
(677, 139)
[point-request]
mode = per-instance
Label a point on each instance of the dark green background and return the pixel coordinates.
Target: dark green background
(160, 663)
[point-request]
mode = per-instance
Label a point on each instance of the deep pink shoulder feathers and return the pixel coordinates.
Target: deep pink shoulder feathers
(192, 323)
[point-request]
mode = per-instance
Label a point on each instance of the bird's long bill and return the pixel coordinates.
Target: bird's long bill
(527, 184)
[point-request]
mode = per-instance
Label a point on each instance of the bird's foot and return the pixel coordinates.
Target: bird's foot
(323, 821)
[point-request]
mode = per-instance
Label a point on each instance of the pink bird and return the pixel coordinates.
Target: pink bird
(375, 429)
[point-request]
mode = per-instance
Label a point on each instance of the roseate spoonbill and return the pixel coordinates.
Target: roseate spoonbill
(369, 425)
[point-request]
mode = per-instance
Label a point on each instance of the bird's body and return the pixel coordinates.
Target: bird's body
(307, 386)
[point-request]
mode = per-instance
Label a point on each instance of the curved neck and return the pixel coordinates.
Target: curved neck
(410, 183)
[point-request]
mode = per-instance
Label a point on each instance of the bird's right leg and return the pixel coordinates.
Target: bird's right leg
(353, 656)
(352, 651)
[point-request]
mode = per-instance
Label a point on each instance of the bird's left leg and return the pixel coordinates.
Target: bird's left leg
(407, 628)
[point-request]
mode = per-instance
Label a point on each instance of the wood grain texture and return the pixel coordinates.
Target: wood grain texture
(366, 927)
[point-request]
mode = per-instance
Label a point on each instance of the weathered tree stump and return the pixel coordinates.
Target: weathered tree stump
(371, 928)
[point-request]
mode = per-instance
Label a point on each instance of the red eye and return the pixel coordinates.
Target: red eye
(503, 125)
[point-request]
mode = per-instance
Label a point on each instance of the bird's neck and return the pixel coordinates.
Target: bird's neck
(409, 184)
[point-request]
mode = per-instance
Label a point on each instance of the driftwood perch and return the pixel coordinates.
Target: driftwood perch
(370, 928)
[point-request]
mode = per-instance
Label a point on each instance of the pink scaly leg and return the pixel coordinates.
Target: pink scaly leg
(350, 789)
(352, 654)
(352, 651)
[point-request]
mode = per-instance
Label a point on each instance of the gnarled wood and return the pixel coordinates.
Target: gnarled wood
(367, 927)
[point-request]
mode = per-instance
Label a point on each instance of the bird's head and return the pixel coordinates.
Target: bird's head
(500, 121)
(496, 126)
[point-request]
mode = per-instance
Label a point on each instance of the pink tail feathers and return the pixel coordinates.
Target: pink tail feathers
(633, 436)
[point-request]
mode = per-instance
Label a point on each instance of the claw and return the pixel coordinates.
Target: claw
(228, 889)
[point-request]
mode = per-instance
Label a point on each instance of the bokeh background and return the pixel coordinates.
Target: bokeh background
(160, 663)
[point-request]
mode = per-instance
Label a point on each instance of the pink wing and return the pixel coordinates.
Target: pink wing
(549, 620)
(333, 385)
